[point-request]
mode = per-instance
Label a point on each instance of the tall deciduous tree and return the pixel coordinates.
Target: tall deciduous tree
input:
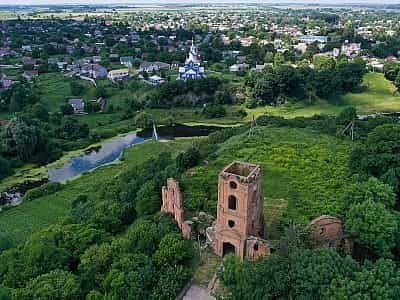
(373, 227)
(379, 155)
(380, 280)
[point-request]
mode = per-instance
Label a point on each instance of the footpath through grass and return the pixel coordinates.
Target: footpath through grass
(19, 222)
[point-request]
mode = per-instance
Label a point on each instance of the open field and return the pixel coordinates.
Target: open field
(377, 96)
(302, 173)
(19, 222)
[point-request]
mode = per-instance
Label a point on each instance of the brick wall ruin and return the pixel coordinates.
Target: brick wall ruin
(327, 231)
(172, 200)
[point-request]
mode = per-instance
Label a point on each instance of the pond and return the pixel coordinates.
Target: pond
(112, 150)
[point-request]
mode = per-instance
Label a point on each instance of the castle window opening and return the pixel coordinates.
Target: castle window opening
(233, 185)
(231, 223)
(232, 202)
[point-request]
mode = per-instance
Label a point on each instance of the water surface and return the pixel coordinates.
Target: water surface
(112, 150)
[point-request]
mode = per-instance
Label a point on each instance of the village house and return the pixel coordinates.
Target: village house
(150, 67)
(127, 61)
(78, 105)
(29, 74)
(310, 39)
(6, 83)
(97, 71)
(238, 67)
(155, 80)
(29, 61)
(117, 75)
(351, 49)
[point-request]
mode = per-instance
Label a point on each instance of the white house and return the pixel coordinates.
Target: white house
(116, 75)
(155, 80)
(351, 49)
(238, 67)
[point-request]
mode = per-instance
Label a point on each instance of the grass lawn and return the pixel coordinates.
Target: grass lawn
(54, 89)
(302, 173)
(19, 222)
(377, 95)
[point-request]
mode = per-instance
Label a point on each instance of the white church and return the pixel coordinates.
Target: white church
(192, 69)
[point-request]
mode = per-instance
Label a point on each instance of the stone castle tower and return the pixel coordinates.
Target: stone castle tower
(240, 212)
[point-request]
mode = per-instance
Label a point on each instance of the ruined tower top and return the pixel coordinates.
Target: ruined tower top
(242, 171)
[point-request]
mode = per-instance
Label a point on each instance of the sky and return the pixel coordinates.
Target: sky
(54, 2)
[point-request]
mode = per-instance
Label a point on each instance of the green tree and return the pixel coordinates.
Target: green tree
(95, 264)
(22, 138)
(188, 159)
(372, 189)
(5, 167)
(397, 82)
(346, 116)
(172, 251)
(170, 283)
(56, 284)
(279, 59)
(77, 88)
(40, 112)
(311, 271)
(373, 227)
(143, 120)
(378, 156)
(379, 280)
(391, 69)
(148, 199)
(66, 109)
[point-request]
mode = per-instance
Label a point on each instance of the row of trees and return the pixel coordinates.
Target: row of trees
(311, 274)
(286, 83)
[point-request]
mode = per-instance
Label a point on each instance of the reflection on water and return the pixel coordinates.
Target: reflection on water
(110, 151)
(107, 153)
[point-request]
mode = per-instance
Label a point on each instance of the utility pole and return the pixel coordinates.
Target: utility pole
(350, 127)
(252, 126)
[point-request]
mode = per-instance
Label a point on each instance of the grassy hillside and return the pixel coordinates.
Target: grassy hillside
(375, 95)
(19, 222)
(302, 173)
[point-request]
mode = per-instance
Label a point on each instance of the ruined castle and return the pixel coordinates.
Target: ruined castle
(239, 226)
(240, 221)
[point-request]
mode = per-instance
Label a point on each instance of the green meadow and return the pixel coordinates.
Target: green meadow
(302, 171)
(377, 94)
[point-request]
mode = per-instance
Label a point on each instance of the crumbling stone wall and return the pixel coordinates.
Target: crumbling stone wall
(255, 247)
(327, 230)
(172, 200)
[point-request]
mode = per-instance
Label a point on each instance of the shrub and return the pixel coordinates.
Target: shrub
(44, 190)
